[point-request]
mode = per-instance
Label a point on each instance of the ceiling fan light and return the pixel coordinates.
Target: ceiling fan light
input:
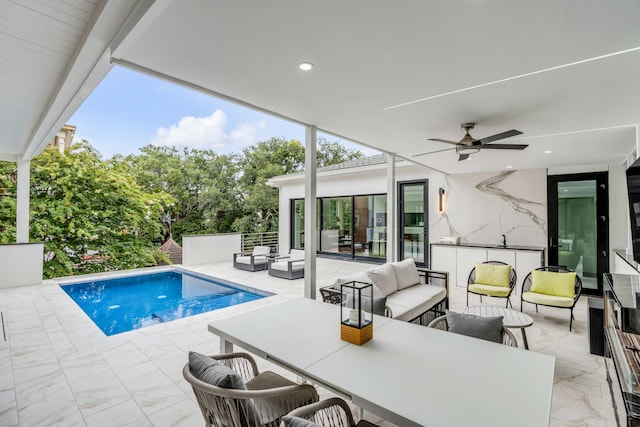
(462, 149)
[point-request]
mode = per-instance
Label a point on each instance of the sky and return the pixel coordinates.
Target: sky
(129, 110)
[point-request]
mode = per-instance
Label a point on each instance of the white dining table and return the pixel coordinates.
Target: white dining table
(408, 374)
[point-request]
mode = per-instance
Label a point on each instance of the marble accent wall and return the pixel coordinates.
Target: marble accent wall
(480, 208)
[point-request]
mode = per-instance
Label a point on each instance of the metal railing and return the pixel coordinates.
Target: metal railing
(250, 240)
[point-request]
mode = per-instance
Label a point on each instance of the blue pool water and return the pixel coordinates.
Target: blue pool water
(123, 304)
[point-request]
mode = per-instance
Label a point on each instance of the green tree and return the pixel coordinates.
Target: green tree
(90, 214)
(271, 158)
(333, 152)
(202, 183)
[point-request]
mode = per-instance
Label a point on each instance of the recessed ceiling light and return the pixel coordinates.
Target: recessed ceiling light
(509, 167)
(548, 151)
(305, 66)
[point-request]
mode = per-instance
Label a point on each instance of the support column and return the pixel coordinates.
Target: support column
(392, 225)
(310, 234)
(22, 201)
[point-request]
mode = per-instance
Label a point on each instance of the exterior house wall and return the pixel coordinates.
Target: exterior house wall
(479, 208)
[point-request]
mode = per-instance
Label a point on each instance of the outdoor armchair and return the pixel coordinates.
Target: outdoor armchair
(256, 260)
(231, 392)
(492, 278)
(288, 266)
(552, 286)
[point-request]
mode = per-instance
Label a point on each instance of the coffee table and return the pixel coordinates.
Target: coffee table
(510, 318)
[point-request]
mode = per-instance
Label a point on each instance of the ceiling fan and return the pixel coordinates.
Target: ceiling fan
(468, 145)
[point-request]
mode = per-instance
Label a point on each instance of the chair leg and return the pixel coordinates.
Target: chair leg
(536, 308)
(508, 304)
(467, 298)
(571, 320)
(480, 299)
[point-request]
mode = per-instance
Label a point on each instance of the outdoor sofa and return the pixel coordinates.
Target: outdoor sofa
(412, 294)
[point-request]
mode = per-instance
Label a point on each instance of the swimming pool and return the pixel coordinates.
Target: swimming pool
(122, 304)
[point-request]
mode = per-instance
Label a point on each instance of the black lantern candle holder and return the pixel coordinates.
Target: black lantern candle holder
(356, 314)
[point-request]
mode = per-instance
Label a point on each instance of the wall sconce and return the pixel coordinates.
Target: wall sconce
(441, 200)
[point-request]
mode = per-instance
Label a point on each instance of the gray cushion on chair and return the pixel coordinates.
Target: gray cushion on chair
(486, 328)
(289, 421)
(210, 371)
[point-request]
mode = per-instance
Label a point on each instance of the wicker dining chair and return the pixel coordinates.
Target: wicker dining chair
(508, 338)
(266, 399)
(331, 412)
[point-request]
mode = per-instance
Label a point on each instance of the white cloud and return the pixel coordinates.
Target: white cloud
(208, 132)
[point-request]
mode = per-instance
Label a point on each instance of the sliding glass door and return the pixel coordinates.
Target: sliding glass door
(350, 226)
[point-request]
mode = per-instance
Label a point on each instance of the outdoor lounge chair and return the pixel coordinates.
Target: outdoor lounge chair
(331, 412)
(243, 396)
(507, 336)
(289, 266)
(486, 278)
(552, 286)
(255, 261)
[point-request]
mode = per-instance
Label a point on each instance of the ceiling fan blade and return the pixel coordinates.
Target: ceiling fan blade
(504, 146)
(432, 152)
(442, 140)
(498, 136)
(463, 157)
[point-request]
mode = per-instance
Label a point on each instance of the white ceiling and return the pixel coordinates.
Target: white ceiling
(378, 63)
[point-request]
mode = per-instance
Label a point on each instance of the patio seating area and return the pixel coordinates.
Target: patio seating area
(56, 367)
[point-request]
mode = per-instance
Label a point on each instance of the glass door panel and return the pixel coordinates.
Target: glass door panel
(578, 230)
(413, 207)
(297, 219)
(370, 226)
(577, 245)
(336, 236)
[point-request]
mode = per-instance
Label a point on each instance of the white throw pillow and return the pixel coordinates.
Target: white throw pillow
(296, 255)
(384, 278)
(406, 273)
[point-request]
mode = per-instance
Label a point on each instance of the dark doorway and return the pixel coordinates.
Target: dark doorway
(578, 211)
(413, 209)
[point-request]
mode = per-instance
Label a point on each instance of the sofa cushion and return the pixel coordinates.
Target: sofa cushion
(406, 273)
(210, 371)
(360, 276)
(259, 259)
(409, 303)
(486, 328)
(284, 265)
(494, 291)
(384, 278)
(261, 250)
(296, 255)
(553, 283)
(493, 274)
(535, 298)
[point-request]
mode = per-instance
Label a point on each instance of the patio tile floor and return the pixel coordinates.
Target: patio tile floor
(58, 368)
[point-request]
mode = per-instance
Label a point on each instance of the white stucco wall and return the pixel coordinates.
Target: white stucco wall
(21, 264)
(479, 207)
(209, 248)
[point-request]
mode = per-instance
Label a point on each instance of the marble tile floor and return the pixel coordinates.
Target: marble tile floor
(58, 368)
